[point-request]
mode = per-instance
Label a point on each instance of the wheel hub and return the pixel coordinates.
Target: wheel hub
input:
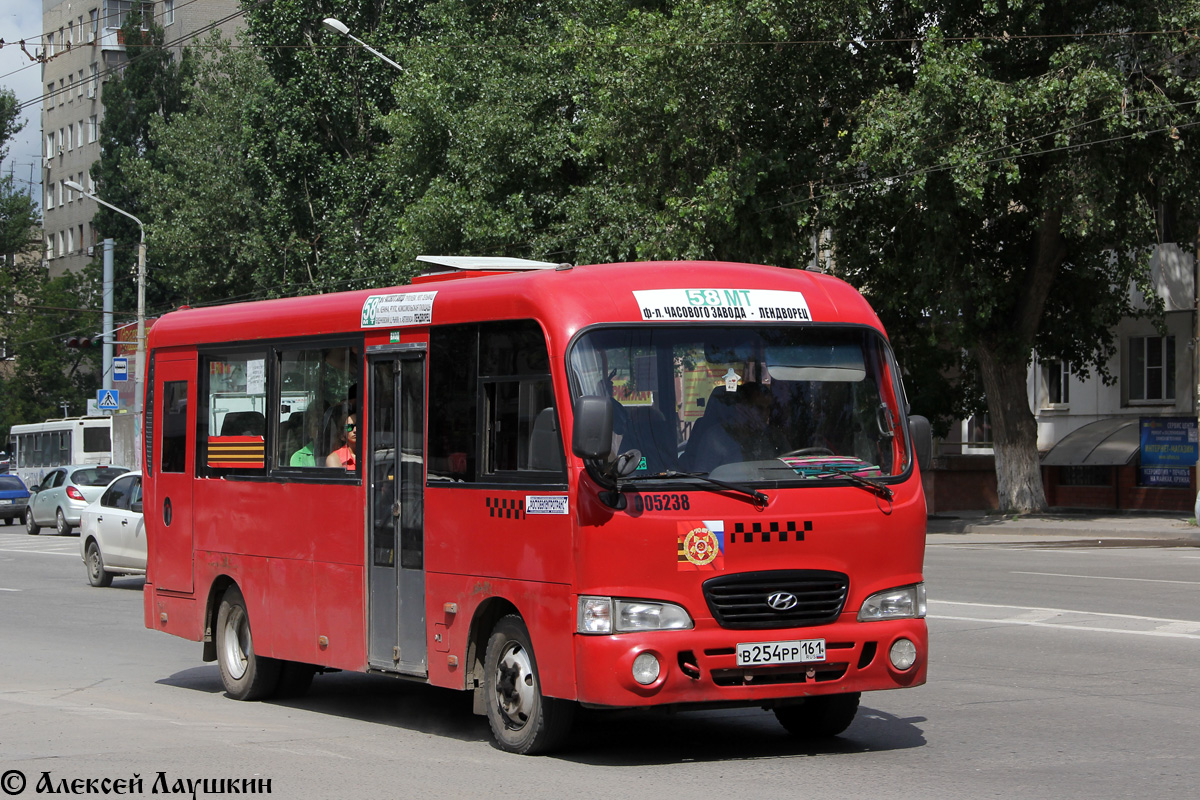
(515, 690)
(237, 643)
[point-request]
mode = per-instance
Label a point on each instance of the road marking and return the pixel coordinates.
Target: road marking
(43, 548)
(1106, 578)
(2, 589)
(1069, 619)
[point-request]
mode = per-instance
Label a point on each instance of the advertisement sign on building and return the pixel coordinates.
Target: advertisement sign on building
(1168, 451)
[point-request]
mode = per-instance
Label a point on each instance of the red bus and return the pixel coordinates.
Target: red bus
(681, 485)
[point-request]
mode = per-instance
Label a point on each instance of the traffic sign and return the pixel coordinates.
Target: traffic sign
(108, 399)
(120, 368)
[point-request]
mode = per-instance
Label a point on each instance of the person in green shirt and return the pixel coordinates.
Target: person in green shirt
(305, 457)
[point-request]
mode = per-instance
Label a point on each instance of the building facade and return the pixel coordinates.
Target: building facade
(1091, 433)
(82, 49)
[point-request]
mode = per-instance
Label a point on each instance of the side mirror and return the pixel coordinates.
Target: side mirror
(136, 507)
(592, 437)
(922, 436)
(34, 489)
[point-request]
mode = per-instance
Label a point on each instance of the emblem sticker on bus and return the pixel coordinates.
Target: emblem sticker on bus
(701, 546)
(722, 305)
(546, 504)
(394, 310)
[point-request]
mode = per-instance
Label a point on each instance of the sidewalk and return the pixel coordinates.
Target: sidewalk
(1064, 526)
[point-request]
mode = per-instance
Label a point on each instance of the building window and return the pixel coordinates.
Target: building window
(70, 240)
(49, 245)
(94, 17)
(93, 128)
(62, 241)
(979, 430)
(1151, 368)
(50, 144)
(116, 12)
(82, 241)
(50, 196)
(50, 50)
(62, 90)
(168, 15)
(1056, 376)
(1085, 476)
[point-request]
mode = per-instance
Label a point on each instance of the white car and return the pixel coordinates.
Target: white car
(112, 537)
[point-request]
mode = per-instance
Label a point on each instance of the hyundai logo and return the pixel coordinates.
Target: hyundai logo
(782, 601)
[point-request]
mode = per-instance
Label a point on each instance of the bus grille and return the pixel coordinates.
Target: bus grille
(741, 600)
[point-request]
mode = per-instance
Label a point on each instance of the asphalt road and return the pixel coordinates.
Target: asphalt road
(1057, 672)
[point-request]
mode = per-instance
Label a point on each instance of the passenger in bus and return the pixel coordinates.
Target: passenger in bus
(306, 455)
(344, 456)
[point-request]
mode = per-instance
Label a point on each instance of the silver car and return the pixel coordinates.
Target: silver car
(112, 537)
(64, 493)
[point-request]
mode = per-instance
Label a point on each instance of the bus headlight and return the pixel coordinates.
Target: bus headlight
(906, 602)
(617, 615)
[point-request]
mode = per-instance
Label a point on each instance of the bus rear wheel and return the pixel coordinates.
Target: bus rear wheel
(246, 675)
(819, 717)
(523, 720)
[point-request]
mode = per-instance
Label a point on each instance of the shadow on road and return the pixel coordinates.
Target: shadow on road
(627, 738)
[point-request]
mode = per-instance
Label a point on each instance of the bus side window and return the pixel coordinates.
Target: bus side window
(174, 426)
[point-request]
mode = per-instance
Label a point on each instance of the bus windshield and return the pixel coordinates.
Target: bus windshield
(749, 403)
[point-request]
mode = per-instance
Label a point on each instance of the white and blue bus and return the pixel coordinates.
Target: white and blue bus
(38, 447)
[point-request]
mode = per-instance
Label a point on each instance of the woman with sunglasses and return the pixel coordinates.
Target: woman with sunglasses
(344, 455)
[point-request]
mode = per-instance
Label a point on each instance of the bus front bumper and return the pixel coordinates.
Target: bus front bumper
(701, 666)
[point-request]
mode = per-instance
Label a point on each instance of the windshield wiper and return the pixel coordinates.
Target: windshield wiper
(760, 499)
(867, 483)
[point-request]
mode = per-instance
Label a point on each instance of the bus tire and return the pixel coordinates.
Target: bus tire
(295, 678)
(31, 527)
(819, 717)
(523, 720)
(246, 675)
(97, 575)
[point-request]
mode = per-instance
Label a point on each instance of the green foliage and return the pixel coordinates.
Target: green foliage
(148, 90)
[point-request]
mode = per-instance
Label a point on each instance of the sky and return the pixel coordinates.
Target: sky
(22, 19)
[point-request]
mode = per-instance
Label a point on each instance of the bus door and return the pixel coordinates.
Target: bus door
(396, 526)
(171, 457)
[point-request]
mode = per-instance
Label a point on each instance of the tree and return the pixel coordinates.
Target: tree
(148, 88)
(209, 231)
(1008, 199)
(595, 131)
(39, 372)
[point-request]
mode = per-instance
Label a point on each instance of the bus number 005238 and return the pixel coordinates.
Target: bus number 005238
(660, 502)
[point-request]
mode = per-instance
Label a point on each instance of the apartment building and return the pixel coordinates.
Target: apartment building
(83, 48)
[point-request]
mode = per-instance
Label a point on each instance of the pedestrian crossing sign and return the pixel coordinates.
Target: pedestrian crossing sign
(108, 399)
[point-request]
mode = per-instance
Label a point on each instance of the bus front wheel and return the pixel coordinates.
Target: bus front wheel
(819, 717)
(523, 720)
(246, 675)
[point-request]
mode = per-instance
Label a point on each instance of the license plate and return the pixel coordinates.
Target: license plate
(800, 651)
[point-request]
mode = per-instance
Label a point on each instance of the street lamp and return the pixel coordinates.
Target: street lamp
(140, 360)
(337, 27)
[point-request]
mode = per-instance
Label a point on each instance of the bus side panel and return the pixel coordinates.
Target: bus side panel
(487, 532)
(177, 615)
(548, 611)
(292, 616)
(340, 614)
(281, 520)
